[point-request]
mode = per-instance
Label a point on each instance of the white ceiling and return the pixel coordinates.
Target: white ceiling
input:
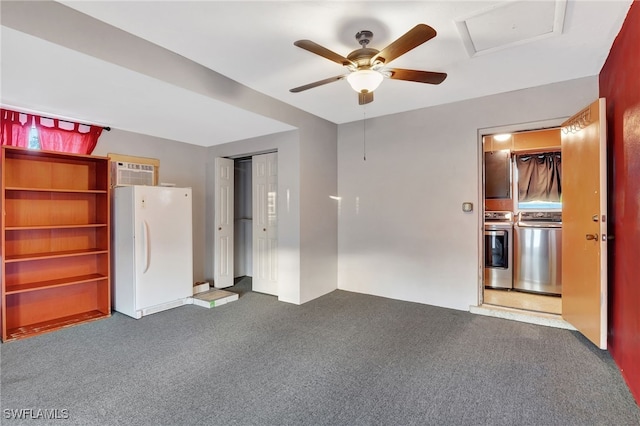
(252, 43)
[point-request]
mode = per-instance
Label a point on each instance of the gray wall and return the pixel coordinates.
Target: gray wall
(180, 163)
(398, 230)
(402, 233)
(309, 256)
(318, 212)
(307, 222)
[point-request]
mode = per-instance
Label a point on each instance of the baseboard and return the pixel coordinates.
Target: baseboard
(162, 307)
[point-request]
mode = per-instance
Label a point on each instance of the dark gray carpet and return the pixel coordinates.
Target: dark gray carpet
(343, 359)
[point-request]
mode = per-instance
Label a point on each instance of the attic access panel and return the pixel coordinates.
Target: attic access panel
(511, 24)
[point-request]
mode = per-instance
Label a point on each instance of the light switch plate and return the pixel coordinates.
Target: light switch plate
(467, 207)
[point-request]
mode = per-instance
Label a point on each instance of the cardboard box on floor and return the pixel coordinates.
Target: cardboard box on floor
(200, 287)
(213, 298)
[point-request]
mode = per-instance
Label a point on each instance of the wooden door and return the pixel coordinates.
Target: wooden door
(265, 224)
(223, 219)
(584, 222)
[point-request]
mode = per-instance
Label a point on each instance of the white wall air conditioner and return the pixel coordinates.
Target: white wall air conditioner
(125, 174)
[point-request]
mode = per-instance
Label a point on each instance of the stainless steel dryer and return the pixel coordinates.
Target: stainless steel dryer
(538, 252)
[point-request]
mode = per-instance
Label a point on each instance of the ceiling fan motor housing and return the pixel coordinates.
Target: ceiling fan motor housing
(362, 57)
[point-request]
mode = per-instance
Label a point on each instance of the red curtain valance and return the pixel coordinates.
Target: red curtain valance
(54, 134)
(14, 128)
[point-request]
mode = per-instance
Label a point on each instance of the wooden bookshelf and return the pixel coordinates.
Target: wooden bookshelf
(55, 231)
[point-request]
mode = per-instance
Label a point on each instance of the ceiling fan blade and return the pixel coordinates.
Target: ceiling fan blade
(317, 83)
(323, 51)
(417, 76)
(411, 39)
(365, 98)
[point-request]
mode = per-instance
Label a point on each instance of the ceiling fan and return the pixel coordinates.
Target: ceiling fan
(367, 66)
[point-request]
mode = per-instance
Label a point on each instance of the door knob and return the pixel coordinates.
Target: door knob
(220, 228)
(264, 229)
(592, 237)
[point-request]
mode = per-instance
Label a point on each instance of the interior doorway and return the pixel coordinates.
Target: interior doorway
(242, 218)
(581, 207)
(246, 223)
(522, 220)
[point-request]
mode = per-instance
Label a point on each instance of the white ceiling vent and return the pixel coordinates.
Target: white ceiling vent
(511, 23)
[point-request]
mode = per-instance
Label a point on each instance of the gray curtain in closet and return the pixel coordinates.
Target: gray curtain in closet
(539, 177)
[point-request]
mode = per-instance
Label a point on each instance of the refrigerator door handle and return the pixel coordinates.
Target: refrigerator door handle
(145, 231)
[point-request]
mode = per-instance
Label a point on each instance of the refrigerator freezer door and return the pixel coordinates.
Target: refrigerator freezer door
(163, 247)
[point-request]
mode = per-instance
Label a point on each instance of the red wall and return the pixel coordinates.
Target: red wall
(620, 85)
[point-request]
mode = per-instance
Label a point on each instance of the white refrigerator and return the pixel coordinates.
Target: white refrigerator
(153, 250)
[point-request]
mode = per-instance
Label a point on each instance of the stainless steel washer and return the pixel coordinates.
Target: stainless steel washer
(498, 250)
(538, 252)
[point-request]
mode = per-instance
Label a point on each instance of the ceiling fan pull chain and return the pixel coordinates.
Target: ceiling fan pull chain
(364, 133)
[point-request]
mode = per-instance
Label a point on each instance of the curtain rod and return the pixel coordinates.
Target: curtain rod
(49, 116)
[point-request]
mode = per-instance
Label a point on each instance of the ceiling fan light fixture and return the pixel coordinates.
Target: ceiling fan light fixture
(366, 66)
(365, 81)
